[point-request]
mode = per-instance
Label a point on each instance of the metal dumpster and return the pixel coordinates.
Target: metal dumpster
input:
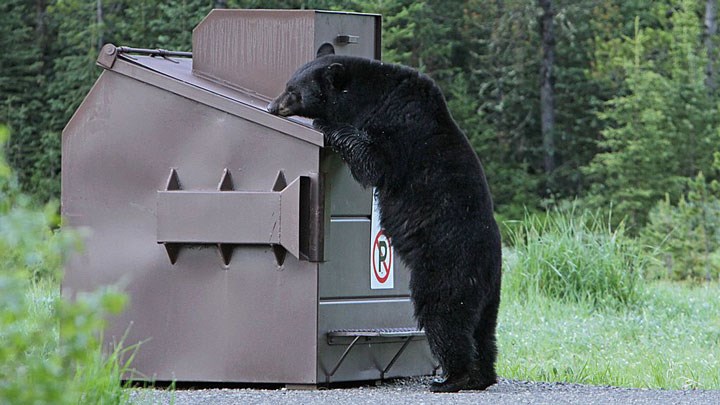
(249, 253)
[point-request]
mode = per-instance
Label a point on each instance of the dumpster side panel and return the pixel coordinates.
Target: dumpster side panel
(346, 271)
(198, 320)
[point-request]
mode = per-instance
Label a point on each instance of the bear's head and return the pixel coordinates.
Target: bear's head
(317, 89)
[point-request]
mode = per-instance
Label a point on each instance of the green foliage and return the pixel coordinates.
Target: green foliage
(22, 68)
(499, 104)
(633, 119)
(686, 234)
(166, 25)
(661, 131)
(50, 351)
(513, 188)
(575, 308)
(28, 241)
(495, 99)
(576, 258)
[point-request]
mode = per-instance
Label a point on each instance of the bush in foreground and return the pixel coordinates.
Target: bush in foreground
(36, 365)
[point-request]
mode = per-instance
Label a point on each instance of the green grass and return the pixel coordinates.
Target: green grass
(671, 340)
(575, 257)
(576, 308)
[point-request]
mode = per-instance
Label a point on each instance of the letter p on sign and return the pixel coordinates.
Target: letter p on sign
(381, 254)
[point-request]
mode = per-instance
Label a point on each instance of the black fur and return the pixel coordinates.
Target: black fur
(393, 128)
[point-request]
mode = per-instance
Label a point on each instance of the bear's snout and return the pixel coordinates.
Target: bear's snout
(281, 106)
(285, 105)
(273, 108)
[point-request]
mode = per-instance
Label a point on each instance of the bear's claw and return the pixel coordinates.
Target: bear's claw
(450, 384)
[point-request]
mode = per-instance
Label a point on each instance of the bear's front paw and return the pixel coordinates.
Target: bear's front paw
(321, 125)
(328, 130)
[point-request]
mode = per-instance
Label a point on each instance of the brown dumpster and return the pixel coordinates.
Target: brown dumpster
(249, 253)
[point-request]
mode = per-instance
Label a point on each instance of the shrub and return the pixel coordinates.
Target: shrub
(575, 257)
(36, 365)
(686, 234)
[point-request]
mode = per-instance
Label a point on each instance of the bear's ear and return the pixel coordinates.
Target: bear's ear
(325, 49)
(336, 76)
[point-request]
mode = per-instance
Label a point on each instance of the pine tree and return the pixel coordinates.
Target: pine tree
(664, 129)
(21, 82)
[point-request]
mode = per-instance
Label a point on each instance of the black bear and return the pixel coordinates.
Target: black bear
(391, 125)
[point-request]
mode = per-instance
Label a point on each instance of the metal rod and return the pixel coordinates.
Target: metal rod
(394, 359)
(342, 358)
(153, 52)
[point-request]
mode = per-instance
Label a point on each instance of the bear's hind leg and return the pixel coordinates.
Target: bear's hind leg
(451, 341)
(483, 374)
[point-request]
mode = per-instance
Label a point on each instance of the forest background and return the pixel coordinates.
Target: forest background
(606, 105)
(597, 122)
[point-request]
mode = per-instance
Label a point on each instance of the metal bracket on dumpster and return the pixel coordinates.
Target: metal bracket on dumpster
(228, 218)
(109, 53)
(404, 334)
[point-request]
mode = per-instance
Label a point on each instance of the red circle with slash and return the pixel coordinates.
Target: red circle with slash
(386, 264)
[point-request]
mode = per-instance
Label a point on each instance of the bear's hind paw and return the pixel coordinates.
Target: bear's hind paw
(450, 384)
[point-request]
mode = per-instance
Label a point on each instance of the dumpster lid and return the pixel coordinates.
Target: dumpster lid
(172, 71)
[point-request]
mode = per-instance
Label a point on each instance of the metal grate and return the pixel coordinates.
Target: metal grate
(379, 332)
(404, 333)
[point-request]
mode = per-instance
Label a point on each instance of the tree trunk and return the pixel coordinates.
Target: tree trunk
(495, 56)
(220, 4)
(547, 91)
(42, 36)
(710, 31)
(99, 21)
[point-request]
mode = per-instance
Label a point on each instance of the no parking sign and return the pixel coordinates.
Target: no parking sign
(382, 272)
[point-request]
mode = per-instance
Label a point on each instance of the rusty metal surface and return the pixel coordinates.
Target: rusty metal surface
(271, 44)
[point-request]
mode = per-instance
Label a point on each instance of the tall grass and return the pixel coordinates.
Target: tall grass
(576, 308)
(575, 257)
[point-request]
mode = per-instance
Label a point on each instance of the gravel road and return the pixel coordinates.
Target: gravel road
(413, 391)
